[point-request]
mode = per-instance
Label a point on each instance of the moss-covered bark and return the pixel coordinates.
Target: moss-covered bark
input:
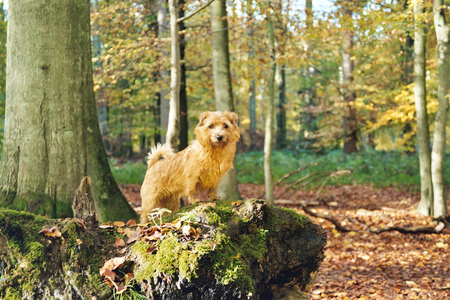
(34, 266)
(218, 250)
(52, 137)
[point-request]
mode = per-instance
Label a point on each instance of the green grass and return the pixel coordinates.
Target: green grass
(128, 173)
(378, 168)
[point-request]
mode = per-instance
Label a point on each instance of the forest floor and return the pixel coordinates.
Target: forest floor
(360, 264)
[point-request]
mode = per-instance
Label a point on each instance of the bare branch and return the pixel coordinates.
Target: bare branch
(179, 20)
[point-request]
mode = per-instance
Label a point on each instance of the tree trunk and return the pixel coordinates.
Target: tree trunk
(268, 180)
(252, 89)
(164, 104)
(184, 125)
(281, 112)
(175, 70)
(350, 128)
(423, 134)
(439, 137)
(52, 137)
(228, 188)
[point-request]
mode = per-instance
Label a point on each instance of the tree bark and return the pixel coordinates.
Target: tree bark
(252, 89)
(350, 127)
(175, 72)
(423, 131)
(281, 112)
(52, 137)
(439, 137)
(184, 125)
(164, 103)
(268, 180)
(228, 188)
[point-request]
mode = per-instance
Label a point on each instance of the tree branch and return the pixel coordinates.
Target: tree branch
(179, 20)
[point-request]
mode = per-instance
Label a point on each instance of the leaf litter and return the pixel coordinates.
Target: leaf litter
(361, 264)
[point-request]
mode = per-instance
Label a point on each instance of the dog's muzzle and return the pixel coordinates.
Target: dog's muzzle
(219, 138)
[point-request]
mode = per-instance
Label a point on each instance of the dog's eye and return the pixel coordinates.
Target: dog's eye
(225, 125)
(211, 126)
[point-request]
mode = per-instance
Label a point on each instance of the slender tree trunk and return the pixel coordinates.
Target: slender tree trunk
(439, 137)
(252, 89)
(350, 127)
(268, 180)
(164, 104)
(175, 72)
(52, 137)
(228, 188)
(423, 133)
(184, 125)
(281, 112)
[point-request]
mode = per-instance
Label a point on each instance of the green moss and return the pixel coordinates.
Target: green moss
(40, 204)
(35, 254)
(172, 257)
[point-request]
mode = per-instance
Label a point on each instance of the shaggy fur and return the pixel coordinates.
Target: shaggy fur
(197, 168)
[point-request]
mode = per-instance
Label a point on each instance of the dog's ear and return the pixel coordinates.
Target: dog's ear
(233, 117)
(202, 118)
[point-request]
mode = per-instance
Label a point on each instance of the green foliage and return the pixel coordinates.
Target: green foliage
(371, 167)
(129, 173)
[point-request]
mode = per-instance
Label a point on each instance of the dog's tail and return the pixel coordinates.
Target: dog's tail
(160, 151)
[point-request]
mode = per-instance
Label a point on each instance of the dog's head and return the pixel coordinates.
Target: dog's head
(217, 128)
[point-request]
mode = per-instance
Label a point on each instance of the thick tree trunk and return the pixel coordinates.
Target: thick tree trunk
(423, 132)
(52, 137)
(350, 127)
(175, 72)
(270, 112)
(439, 137)
(228, 188)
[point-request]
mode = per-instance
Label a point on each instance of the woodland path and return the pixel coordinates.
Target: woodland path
(364, 265)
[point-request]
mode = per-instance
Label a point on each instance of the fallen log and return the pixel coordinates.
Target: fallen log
(218, 250)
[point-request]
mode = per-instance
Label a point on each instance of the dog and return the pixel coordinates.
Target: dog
(200, 167)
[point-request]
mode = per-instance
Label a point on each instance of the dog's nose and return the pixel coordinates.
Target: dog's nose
(219, 138)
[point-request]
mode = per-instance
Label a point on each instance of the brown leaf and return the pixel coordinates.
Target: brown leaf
(119, 243)
(151, 249)
(118, 224)
(51, 232)
(79, 242)
(135, 236)
(131, 223)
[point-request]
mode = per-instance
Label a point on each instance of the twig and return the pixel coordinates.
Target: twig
(323, 216)
(338, 173)
(285, 176)
(419, 229)
(179, 20)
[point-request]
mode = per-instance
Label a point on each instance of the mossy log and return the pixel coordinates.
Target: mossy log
(218, 250)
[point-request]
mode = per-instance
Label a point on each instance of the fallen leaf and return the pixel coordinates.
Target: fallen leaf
(135, 236)
(51, 232)
(118, 224)
(131, 223)
(119, 243)
(79, 242)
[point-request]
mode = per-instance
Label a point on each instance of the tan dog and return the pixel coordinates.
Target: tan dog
(197, 168)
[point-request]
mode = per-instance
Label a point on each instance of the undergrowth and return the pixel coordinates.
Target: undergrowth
(377, 168)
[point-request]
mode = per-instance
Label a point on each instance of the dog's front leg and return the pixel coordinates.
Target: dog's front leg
(191, 197)
(212, 194)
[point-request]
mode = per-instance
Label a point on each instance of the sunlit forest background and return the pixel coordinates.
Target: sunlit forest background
(130, 55)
